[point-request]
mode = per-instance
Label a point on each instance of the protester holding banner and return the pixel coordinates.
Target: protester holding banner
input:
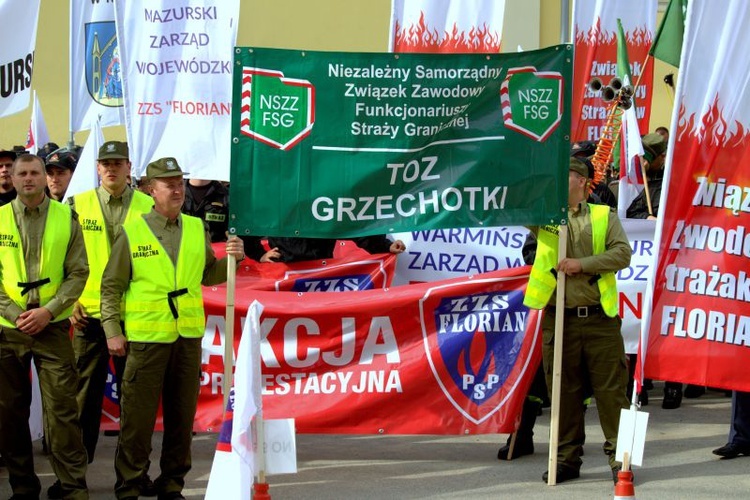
(158, 264)
(7, 191)
(44, 269)
(103, 211)
(593, 349)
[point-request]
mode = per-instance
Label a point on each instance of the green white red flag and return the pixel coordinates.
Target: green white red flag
(698, 325)
(630, 147)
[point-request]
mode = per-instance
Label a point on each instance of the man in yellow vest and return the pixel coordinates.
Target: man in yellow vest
(593, 349)
(44, 269)
(101, 211)
(158, 264)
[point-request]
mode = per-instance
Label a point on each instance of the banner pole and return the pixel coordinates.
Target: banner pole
(229, 328)
(554, 426)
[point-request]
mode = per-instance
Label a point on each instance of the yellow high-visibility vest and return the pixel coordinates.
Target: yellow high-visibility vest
(98, 246)
(543, 279)
(52, 266)
(164, 302)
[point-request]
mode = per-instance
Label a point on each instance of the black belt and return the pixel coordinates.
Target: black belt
(580, 311)
(28, 286)
(173, 295)
(34, 305)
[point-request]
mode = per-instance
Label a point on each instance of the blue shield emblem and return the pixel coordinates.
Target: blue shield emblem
(103, 69)
(477, 346)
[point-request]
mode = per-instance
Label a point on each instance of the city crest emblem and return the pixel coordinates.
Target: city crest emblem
(103, 69)
(276, 111)
(478, 346)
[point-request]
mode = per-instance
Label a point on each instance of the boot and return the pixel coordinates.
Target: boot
(524, 434)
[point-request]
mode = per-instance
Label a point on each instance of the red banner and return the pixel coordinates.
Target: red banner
(595, 39)
(447, 357)
(699, 329)
(437, 358)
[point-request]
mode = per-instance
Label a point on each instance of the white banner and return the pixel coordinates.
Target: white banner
(95, 68)
(17, 43)
(446, 26)
(177, 59)
(451, 253)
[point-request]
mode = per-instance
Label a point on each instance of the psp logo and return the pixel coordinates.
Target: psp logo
(474, 344)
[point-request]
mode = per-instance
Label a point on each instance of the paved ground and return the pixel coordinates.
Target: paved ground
(678, 463)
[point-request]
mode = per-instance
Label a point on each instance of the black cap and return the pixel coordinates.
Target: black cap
(62, 158)
(8, 154)
(47, 149)
(583, 149)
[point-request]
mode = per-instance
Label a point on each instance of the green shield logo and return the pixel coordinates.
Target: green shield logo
(532, 101)
(276, 111)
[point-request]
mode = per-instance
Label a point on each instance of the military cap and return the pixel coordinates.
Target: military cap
(113, 150)
(163, 167)
(581, 167)
(653, 146)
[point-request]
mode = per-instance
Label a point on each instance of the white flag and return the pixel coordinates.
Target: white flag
(234, 462)
(247, 387)
(446, 26)
(177, 58)
(95, 69)
(631, 180)
(17, 44)
(85, 176)
(38, 135)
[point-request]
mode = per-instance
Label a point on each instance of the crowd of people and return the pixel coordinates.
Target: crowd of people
(122, 269)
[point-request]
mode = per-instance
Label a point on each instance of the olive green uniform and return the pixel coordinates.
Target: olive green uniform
(593, 350)
(53, 356)
(89, 342)
(170, 371)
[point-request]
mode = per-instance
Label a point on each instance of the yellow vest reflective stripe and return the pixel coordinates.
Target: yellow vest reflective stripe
(607, 281)
(54, 249)
(97, 244)
(148, 317)
(542, 280)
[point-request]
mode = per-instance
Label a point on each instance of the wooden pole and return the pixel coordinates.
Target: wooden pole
(554, 426)
(229, 329)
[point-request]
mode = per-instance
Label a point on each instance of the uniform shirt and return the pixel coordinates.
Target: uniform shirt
(30, 223)
(579, 291)
(114, 208)
(117, 274)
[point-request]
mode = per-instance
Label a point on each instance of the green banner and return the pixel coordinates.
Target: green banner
(337, 145)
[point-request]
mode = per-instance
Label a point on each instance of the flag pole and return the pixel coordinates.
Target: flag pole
(554, 426)
(260, 487)
(229, 327)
